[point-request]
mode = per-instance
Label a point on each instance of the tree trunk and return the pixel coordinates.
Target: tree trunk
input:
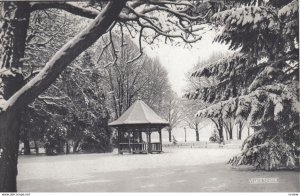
(9, 145)
(220, 132)
(240, 134)
(197, 134)
(67, 148)
(26, 146)
(60, 147)
(219, 125)
(170, 134)
(220, 121)
(14, 21)
(229, 129)
(221, 135)
(36, 147)
(240, 131)
(230, 134)
(26, 142)
(75, 147)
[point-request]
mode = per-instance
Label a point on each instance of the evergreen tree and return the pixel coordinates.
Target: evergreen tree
(259, 83)
(72, 109)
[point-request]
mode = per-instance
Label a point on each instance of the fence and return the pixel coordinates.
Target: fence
(206, 144)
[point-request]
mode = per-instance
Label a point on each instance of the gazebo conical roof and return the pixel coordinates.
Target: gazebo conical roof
(139, 113)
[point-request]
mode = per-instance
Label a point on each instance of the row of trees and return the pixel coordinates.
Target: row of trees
(224, 127)
(73, 108)
(258, 84)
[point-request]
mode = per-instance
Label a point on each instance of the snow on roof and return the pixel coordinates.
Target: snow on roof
(139, 113)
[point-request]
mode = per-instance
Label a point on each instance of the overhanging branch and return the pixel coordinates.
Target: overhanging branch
(73, 9)
(65, 6)
(65, 56)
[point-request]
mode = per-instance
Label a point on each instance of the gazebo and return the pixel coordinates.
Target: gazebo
(138, 119)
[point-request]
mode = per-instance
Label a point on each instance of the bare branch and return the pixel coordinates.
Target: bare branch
(140, 46)
(113, 47)
(103, 49)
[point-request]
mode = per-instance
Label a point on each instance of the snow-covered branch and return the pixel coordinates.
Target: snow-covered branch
(141, 15)
(253, 105)
(66, 55)
(84, 12)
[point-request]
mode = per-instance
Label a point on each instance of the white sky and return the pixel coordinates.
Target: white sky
(178, 60)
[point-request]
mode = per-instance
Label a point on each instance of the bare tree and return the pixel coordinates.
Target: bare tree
(172, 111)
(124, 79)
(190, 108)
(128, 80)
(157, 88)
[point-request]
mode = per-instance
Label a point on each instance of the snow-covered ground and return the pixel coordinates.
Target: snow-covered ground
(81, 165)
(177, 169)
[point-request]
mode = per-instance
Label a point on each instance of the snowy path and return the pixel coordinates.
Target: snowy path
(175, 170)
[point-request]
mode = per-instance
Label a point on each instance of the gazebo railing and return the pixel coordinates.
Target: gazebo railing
(155, 147)
(140, 147)
(133, 147)
(124, 147)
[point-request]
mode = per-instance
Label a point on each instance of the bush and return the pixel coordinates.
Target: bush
(54, 140)
(214, 137)
(175, 142)
(97, 141)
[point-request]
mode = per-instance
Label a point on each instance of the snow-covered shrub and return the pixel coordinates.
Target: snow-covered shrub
(267, 154)
(214, 137)
(54, 140)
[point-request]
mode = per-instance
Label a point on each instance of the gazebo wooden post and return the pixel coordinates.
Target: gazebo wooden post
(129, 142)
(118, 135)
(140, 136)
(133, 141)
(160, 139)
(150, 146)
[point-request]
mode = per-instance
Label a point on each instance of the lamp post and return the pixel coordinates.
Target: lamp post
(184, 134)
